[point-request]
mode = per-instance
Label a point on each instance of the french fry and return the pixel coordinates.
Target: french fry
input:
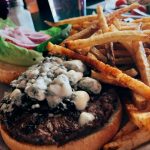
(148, 59)
(131, 141)
(141, 61)
(73, 32)
(116, 22)
(121, 11)
(145, 19)
(124, 68)
(104, 26)
(139, 101)
(102, 22)
(98, 54)
(147, 50)
(110, 54)
(121, 53)
(97, 33)
(126, 129)
(140, 117)
(128, 28)
(93, 43)
(146, 26)
(121, 78)
(84, 33)
(125, 26)
(138, 56)
(131, 72)
(83, 51)
(86, 24)
(123, 61)
(102, 50)
(137, 52)
(76, 26)
(123, 23)
(104, 78)
(91, 55)
(75, 20)
(107, 38)
(78, 20)
(113, 28)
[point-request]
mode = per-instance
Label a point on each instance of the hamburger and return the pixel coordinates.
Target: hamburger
(57, 105)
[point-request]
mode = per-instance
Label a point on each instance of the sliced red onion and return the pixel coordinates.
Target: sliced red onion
(38, 37)
(18, 43)
(23, 38)
(18, 34)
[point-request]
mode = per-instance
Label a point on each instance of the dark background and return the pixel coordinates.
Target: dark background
(45, 13)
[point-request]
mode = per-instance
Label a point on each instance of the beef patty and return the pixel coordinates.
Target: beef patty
(43, 127)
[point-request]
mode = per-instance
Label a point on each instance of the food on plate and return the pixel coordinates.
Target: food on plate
(18, 47)
(138, 54)
(139, 101)
(102, 22)
(143, 20)
(16, 55)
(140, 117)
(103, 26)
(108, 37)
(82, 34)
(117, 75)
(112, 43)
(98, 54)
(56, 104)
(130, 141)
(126, 129)
(23, 38)
(102, 53)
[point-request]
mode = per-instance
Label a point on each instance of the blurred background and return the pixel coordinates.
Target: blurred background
(55, 10)
(40, 10)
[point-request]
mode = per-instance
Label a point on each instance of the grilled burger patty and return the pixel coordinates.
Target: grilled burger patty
(65, 106)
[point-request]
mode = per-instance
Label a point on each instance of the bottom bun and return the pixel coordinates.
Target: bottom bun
(94, 141)
(9, 72)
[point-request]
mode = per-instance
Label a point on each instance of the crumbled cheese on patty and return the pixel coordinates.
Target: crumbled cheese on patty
(74, 76)
(90, 85)
(85, 118)
(80, 99)
(56, 80)
(76, 65)
(60, 86)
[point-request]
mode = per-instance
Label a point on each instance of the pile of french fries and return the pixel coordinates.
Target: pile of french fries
(119, 52)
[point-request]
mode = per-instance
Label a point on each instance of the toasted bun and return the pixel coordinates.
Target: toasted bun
(92, 142)
(10, 72)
